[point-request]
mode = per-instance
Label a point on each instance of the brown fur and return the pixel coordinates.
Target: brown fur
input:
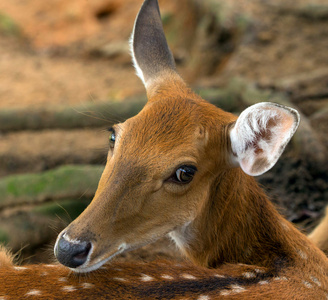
(236, 230)
(6, 259)
(223, 222)
(320, 234)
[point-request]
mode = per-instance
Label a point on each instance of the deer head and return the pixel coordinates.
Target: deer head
(163, 164)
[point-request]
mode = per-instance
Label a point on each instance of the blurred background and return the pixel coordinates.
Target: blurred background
(66, 75)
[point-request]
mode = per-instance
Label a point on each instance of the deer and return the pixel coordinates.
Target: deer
(182, 168)
(319, 235)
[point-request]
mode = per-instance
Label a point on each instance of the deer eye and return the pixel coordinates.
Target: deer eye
(183, 174)
(112, 137)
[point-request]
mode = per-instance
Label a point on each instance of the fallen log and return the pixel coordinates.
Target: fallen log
(298, 80)
(61, 183)
(312, 12)
(38, 224)
(87, 115)
(51, 148)
(103, 114)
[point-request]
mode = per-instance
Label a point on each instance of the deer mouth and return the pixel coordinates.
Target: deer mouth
(90, 266)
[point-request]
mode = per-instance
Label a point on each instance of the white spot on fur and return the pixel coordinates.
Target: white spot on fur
(249, 275)
(203, 297)
(44, 274)
(168, 277)
(280, 278)
(146, 278)
(20, 268)
(302, 254)
(284, 225)
(225, 293)
(315, 280)
(68, 288)
(87, 285)
(188, 276)
(263, 282)
(33, 293)
(62, 279)
(219, 276)
(235, 288)
(50, 266)
(259, 271)
(3, 298)
(307, 284)
(119, 279)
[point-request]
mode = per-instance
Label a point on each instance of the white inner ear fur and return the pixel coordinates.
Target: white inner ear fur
(260, 135)
(134, 60)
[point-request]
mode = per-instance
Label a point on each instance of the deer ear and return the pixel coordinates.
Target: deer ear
(150, 52)
(260, 135)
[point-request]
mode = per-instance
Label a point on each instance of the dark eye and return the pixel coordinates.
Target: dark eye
(184, 174)
(112, 137)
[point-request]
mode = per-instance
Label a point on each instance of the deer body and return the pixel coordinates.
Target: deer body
(182, 167)
(319, 234)
(158, 280)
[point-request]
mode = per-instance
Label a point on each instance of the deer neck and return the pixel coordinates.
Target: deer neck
(238, 224)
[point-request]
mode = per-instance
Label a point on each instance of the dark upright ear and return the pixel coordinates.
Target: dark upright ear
(150, 52)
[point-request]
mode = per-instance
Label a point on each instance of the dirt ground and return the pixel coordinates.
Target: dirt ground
(71, 52)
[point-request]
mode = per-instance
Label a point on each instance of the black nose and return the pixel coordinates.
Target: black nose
(72, 254)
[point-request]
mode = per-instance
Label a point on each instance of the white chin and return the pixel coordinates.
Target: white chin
(91, 268)
(85, 268)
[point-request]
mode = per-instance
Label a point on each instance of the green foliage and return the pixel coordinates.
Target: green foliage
(8, 26)
(34, 204)
(4, 237)
(167, 18)
(63, 182)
